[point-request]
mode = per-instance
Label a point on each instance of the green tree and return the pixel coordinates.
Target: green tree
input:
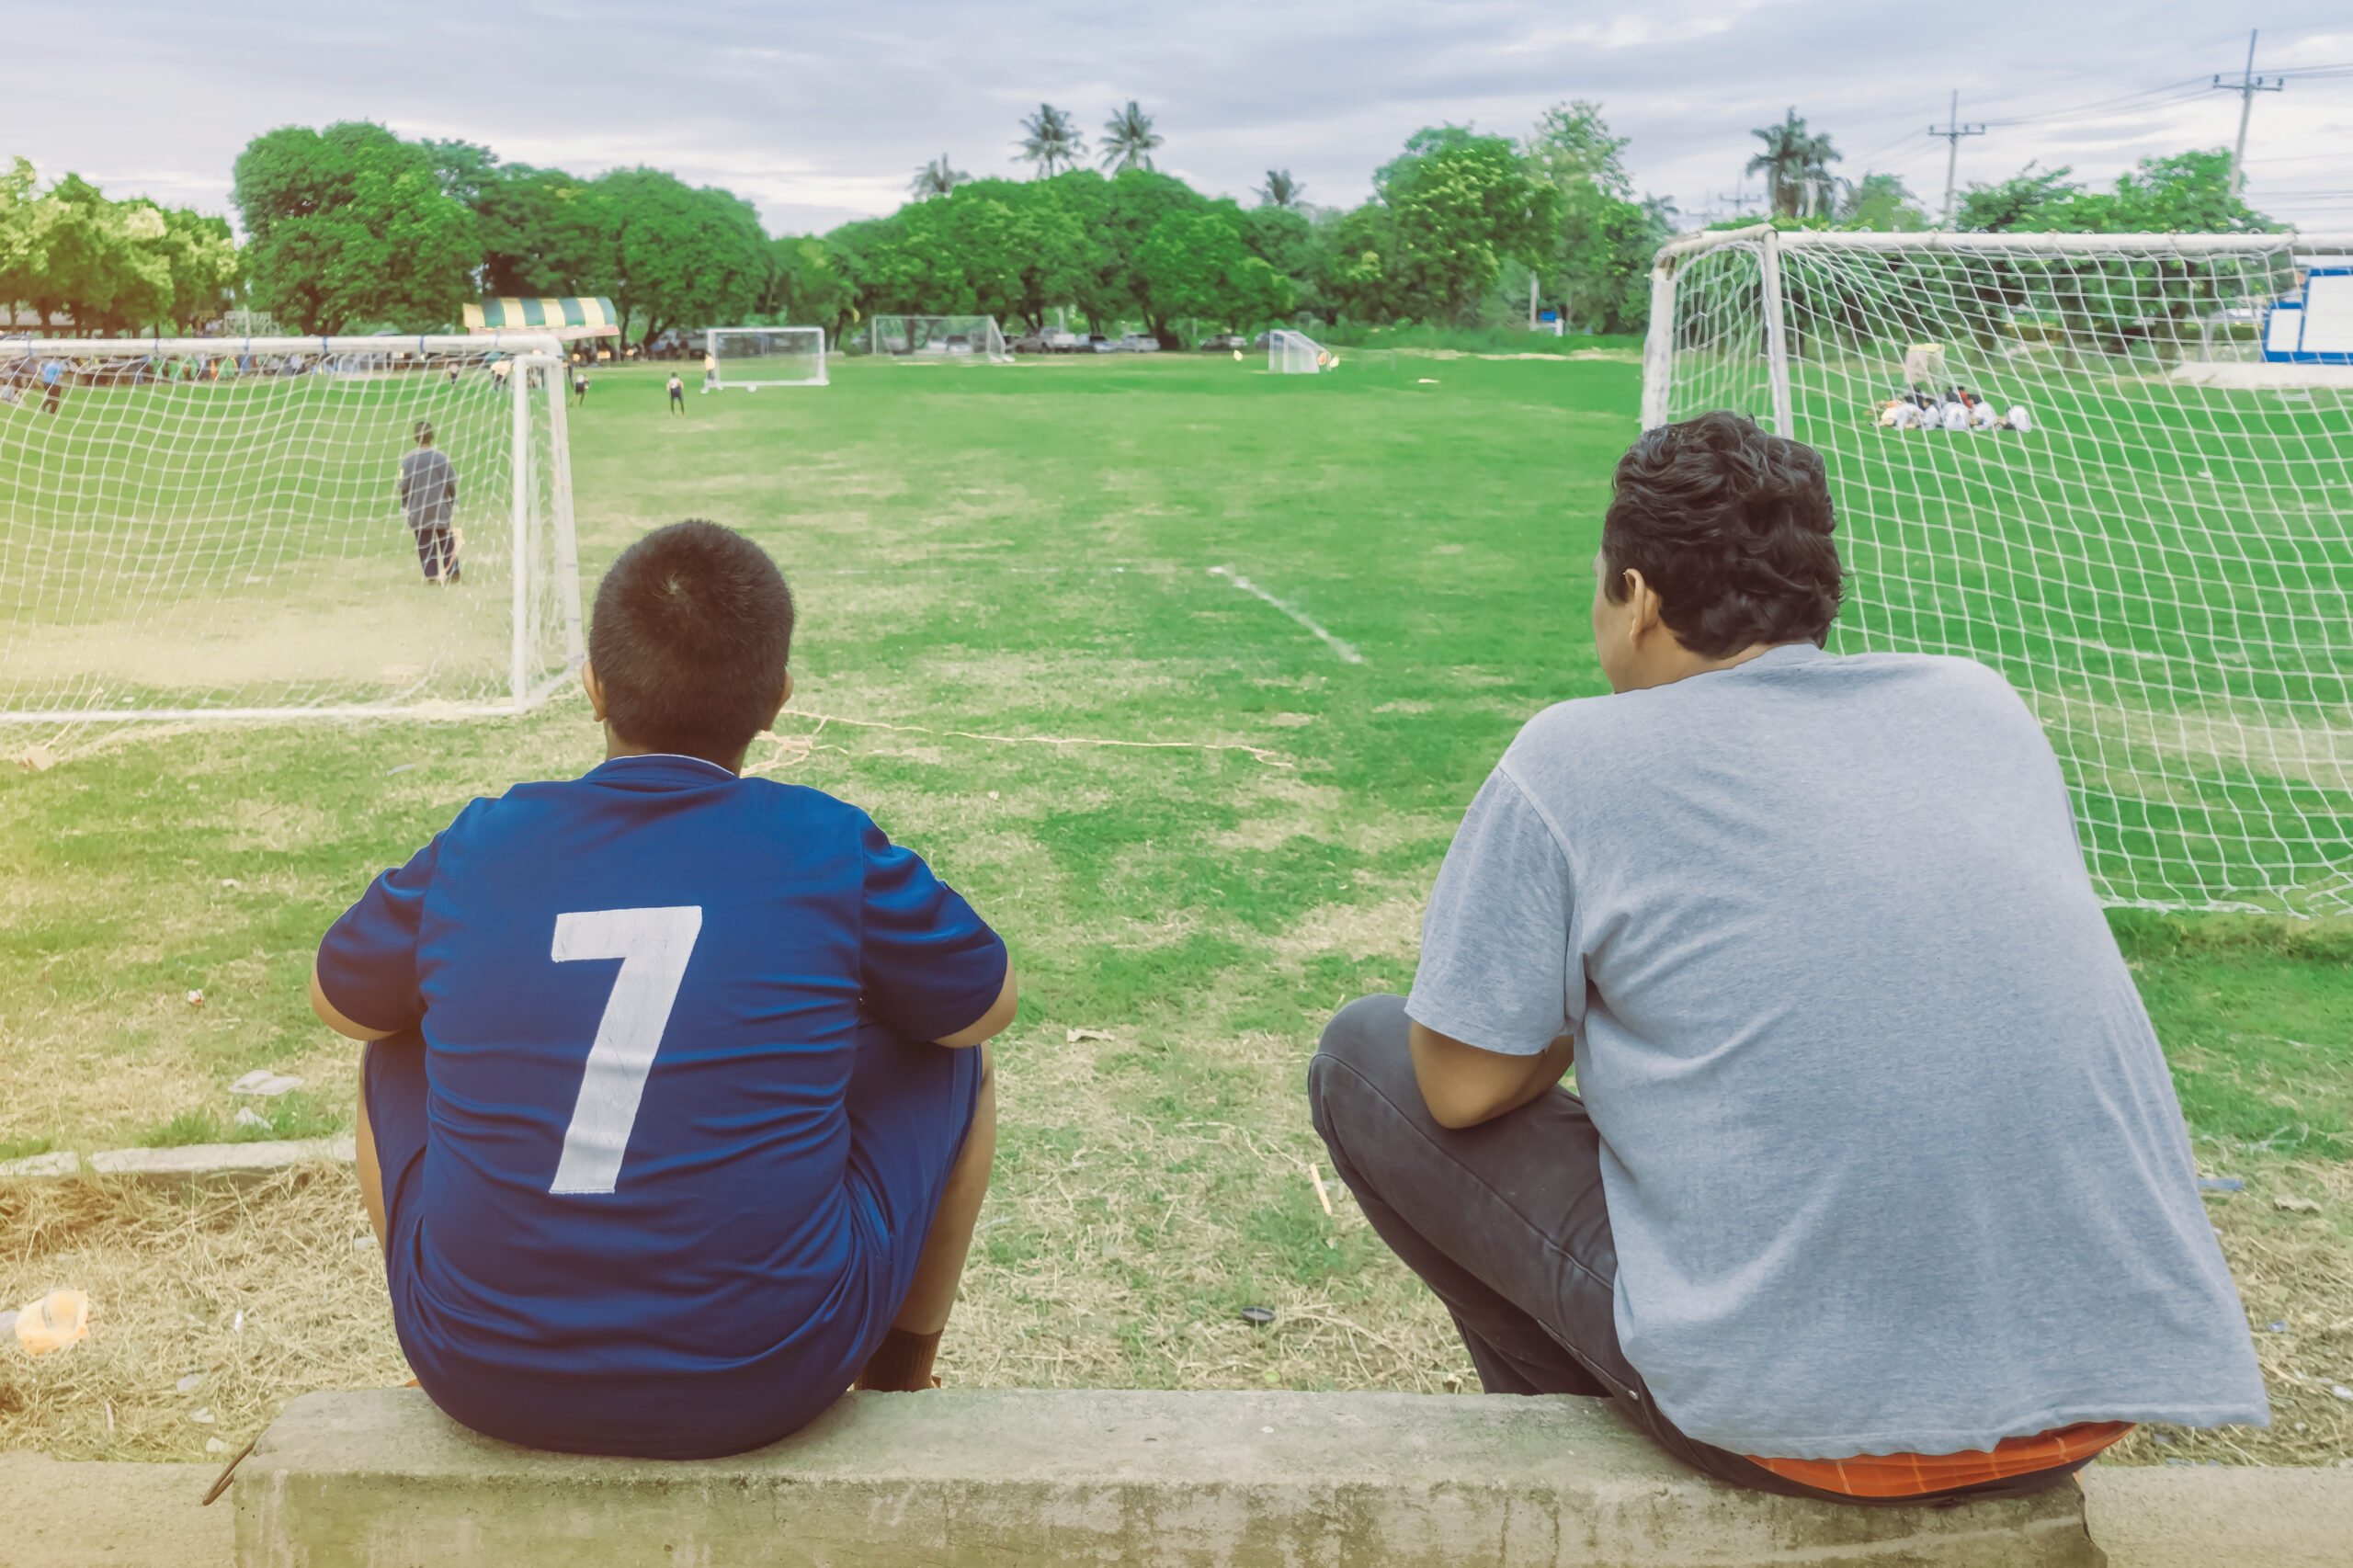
(102, 262)
(678, 255)
(1600, 265)
(1053, 143)
(937, 178)
(1796, 166)
(2188, 193)
(1129, 139)
(1281, 190)
(23, 222)
(544, 233)
(351, 226)
(808, 285)
(1192, 263)
(1881, 202)
(1460, 205)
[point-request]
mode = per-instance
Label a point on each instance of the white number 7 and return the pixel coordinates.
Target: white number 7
(654, 946)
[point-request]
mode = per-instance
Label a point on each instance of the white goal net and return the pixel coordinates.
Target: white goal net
(1295, 354)
(2074, 459)
(755, 357)
(284, 526)
(971, 340)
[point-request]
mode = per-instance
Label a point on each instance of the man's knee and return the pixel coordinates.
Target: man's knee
(1365, 1040)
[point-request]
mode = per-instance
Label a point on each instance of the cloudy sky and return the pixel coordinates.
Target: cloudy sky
(822, 113)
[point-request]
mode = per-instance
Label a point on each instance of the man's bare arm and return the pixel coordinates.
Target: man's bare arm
(331, 1017)
(1465, 1085)
(990, 1023)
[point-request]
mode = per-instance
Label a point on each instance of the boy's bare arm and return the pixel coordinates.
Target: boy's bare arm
(986, 1026)
(333, 1019)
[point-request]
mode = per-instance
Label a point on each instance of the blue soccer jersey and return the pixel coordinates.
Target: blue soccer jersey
(636, 1221)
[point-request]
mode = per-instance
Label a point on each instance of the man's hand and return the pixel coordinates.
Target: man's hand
(1465, 1085)
(990, 1023)
(333, 1019)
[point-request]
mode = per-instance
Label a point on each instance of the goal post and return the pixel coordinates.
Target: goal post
(1295, 354)
(756, 356)
(285, 528)
(2073, 458)
(966, 340)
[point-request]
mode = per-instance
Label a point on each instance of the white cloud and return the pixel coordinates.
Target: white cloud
(821, 113)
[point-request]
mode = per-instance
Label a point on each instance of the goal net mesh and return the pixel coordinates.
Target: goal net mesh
(767, 356)
(969, 339)
(208, 527)
(2134, 517)
(1294, 354)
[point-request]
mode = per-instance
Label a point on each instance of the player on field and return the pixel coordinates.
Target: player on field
(676, 1121)
(710, 370)
(428, 496)
(579, 386)
(1874, 1185)
(678, 394)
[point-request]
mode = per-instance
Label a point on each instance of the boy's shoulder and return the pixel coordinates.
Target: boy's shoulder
(748, 813)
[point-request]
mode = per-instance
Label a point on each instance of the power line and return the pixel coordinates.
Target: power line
(1952, 132)
(2246, 87)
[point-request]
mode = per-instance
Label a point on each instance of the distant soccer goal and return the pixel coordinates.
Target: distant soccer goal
(969, 340)
(2078, 458)
(756, 356)
(1295, 354)
(284, 528)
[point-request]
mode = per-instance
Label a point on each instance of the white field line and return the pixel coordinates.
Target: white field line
(1349, 655)
(793, 750)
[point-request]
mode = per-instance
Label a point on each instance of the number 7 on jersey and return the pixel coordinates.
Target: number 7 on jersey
(654, 946)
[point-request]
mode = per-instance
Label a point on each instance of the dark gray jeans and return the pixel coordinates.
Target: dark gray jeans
(1506, 1222)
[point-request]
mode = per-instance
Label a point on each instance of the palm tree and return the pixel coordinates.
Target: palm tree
(1281, 190)
(1796, 166)
(937, 178)
(1053, 143)
(1128, 139)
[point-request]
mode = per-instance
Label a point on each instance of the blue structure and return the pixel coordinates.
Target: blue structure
(2315, 328)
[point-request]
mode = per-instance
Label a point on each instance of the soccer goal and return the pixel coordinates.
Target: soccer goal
(284, 528)
(2137, 519)
(966, 340)
(756, 356)
(1295, 354)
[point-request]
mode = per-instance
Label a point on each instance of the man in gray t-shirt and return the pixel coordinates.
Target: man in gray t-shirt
(428, 497)
(1874, 1186)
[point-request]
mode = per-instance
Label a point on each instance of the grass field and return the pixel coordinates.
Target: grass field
(1200, 824)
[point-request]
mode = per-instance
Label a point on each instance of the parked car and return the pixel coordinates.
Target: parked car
(1224, 341)
(1028, 343)
(1098, 344)
(1262, 340)
(1060, 342)
(1140, 343)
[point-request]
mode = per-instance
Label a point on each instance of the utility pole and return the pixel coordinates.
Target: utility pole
(2246, 87)
(1741, 200)
(1953, 130)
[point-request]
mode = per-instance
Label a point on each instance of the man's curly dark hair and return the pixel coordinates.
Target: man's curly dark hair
(1730, 526)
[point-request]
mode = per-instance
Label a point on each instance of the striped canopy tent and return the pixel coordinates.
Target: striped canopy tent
(574, 317)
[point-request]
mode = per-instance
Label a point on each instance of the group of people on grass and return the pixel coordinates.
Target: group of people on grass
(1959, 409)
(677, 1107)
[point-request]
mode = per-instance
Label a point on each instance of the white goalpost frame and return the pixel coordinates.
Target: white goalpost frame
(526, 352)
(2200, 715)
(939, 333)
(714, 343)
(1293, 353)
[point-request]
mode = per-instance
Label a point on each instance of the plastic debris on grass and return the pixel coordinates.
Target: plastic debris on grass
(196, 998)
(47, 1325)
(1074, 1036)
(37, 759)
(2296, 1205)
(248, 1117)
(262, 1081)
(2221, 1184)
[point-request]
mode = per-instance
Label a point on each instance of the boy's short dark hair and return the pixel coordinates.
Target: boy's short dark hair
(1732, 526)
(691, 636)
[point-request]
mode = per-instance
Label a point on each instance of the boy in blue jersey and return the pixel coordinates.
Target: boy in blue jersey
(673, 1121)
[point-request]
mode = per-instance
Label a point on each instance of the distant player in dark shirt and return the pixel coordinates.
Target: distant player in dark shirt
(429, 495)
(579, 387)
(678, 394)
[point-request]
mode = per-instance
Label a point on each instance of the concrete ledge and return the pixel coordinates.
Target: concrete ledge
(2221, 1516)
(189, 1162)
(122, 1515)
(1152, 1479)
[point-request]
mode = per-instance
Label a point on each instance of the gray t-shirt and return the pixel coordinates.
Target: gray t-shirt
(429, 488)
(1890, 1153)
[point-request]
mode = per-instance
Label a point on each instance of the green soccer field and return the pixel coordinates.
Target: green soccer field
(1182, 672)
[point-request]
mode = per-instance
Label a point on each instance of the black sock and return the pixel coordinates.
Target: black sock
(900, 1364)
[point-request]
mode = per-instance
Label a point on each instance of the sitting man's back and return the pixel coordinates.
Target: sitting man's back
(655, 1115)
(1874, 1166)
